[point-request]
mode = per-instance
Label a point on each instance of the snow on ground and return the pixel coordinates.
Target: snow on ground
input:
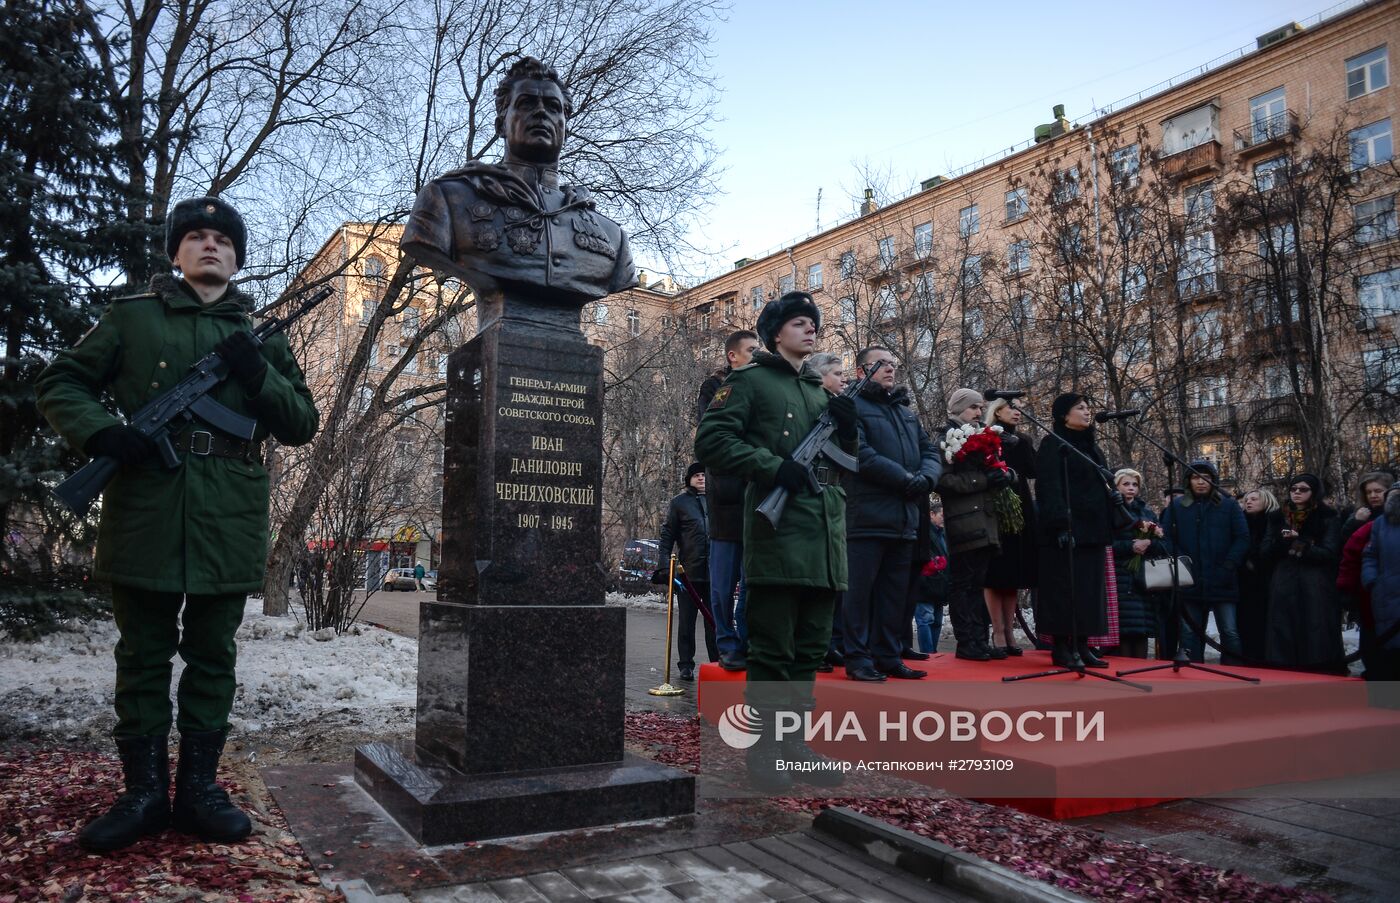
(288, 677)
(645, 602)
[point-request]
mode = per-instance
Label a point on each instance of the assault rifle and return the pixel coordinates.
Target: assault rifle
(817, 442)
(166, 413)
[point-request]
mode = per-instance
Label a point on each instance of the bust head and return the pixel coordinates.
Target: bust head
(532, 112)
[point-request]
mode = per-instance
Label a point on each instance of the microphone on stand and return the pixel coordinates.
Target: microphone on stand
(994, 394)
(1106, 416)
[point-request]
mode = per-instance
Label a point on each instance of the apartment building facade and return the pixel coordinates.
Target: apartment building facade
(1219, 253)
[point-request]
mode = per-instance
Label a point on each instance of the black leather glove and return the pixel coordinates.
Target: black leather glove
(1065, 540)
(791, 476)
(999, 479)
(916, 486)
(245, 361)
(126, 444)
(843, 414)
(1116, 498)
(658, 577)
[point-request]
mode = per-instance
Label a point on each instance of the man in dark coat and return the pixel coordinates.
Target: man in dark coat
(1209, 527)
(726, 499)
(181, 548)
(898, 466)
(973, 540)
(754, 423)
(687, 530)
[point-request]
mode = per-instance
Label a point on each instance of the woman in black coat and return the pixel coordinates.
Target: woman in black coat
(1076, 524)
(1255, 575)
(1305, 620)
(1137, 609)
(1014, 568)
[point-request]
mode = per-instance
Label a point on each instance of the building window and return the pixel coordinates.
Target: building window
(1269, 174)
(1370, 144)
(1379, 293)
(442, 366)
(702, 317)
(1072, 299)
(1277, 241)
(728, 310)
(888, 302)
(412, 365)
(1209, 391)
(1135, 283)
(1023, 312)
(756, 297)
(923, 240)
(374, 269)
(1200, 205)
(1267, 118)
(374, 355)
(1123, 166)
(1384, 439)
(848, 265)
(1071, 242)
(1066, 185)
(600, 314)
(1017, 205)
(1217, 452)
(1382, 369)
(1018, 257)
(976, 326)
(1276, 380)
(786, 284)
(1375, 219)
(1367, 72)
(972, 271)
(1283, 456)
(814, 277)
(1207, 339)
(848, 310)
(886, 248)
(1190, 129)
(924, 292)
(969, 221)
(367, 311)
(1196, 275)
(409, 325)
(1129, 220)
(634, 319)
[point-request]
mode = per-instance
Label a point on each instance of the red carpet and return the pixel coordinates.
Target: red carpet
(1195, 734)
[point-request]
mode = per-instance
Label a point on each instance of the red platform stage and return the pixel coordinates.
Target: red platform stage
(1195, 734)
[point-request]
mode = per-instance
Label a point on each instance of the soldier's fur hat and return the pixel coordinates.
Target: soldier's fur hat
(776, 313)
(205, 213)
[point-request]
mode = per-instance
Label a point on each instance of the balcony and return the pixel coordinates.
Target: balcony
(1278, 409)
(1269, 134)
(1200, 287)
(1216, 418)
(1205, 157)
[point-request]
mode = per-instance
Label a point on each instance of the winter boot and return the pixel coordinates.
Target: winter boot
(761, 759)
(145, 806)
(202, 807)
(813, 767)
(1064, 654)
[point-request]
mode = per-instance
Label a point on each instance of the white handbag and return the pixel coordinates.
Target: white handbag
(1157, 573)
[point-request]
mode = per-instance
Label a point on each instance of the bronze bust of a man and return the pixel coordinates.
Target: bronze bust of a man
(509, 229)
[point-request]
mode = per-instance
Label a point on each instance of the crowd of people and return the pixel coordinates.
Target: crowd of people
(926, 528)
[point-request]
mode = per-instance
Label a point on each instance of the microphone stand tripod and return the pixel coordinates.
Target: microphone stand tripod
(1081, 670)
(1180, 659)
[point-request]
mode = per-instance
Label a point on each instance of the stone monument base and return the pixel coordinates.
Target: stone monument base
(437, 805)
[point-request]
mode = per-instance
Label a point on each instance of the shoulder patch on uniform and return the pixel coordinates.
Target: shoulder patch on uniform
(721, 396)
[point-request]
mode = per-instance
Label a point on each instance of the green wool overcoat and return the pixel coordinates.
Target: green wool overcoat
(755, 420)
(201, 528)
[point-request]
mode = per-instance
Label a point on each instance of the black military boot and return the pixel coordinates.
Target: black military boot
(761, 759)
(145, 806)
(813, 767)
(202, 807)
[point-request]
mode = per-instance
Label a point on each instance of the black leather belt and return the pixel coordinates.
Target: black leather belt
(826, 474)
(206, 442)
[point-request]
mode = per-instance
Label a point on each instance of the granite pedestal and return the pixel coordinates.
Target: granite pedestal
(520, 665)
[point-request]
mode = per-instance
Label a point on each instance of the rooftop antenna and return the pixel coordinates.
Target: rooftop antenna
(819, 208)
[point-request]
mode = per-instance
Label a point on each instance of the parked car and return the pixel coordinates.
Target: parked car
(430, 579)
(639, 559)
(399, 578)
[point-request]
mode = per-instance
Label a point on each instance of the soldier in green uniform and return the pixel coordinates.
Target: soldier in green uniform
(750, 429)
(181, 548)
